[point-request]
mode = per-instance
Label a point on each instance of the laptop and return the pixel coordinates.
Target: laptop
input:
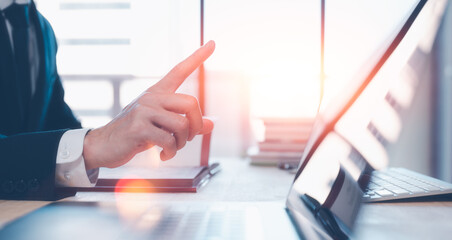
(369, 114)
(323, 201)
(375, 120)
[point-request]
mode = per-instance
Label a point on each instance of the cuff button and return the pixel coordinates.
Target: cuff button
(65, 154)
(33, 185)
(20, 186)
(67, 176)
(7, 186)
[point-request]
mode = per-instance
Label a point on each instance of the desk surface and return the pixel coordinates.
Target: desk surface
(240, 182)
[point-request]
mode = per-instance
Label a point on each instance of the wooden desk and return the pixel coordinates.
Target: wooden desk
(240, 182)
(408, 220)
(237, 181)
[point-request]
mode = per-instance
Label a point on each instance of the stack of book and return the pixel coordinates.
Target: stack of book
(282, 143)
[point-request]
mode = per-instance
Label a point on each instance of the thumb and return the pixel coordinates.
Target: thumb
(207, 126)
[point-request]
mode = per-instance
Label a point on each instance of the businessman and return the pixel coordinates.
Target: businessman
(42, 144)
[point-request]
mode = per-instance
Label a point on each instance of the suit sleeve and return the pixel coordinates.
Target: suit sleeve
(28, 165)
(60, 115)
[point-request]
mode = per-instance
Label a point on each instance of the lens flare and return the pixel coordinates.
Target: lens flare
(132, 206)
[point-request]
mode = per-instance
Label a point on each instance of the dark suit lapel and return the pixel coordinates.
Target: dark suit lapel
(10, 101)
(41, 97)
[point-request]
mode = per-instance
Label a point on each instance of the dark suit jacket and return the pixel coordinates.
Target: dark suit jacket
(29, 135)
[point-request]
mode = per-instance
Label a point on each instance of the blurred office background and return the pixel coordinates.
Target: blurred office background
(267, 64)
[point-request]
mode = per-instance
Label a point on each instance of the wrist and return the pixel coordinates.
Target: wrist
(89, 149)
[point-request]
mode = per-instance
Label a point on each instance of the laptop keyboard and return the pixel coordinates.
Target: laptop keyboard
(399, 183)
(192, 223)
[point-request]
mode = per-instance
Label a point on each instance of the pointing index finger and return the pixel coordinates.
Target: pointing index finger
(181, 71)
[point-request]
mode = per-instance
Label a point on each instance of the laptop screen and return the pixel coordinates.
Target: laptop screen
(327, 186)
(368, 66)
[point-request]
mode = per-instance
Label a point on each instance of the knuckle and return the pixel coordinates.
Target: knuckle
(183, 124)
(192, 102)
(169, 141)
(146, 98)
(138, 126)
(181, 145)
(136, 130)
(145, 113)
(151, 114)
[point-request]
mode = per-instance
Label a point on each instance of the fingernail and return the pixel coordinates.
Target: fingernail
(210, 42)
(162, 156)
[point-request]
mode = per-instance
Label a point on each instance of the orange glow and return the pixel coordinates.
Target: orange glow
(132, 186)
(129, 209)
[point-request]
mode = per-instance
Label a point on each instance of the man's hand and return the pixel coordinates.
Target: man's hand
(159, 116)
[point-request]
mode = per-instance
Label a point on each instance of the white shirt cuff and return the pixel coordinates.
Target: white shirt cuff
(70, 164)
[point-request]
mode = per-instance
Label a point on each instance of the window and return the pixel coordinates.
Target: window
(111, 51)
